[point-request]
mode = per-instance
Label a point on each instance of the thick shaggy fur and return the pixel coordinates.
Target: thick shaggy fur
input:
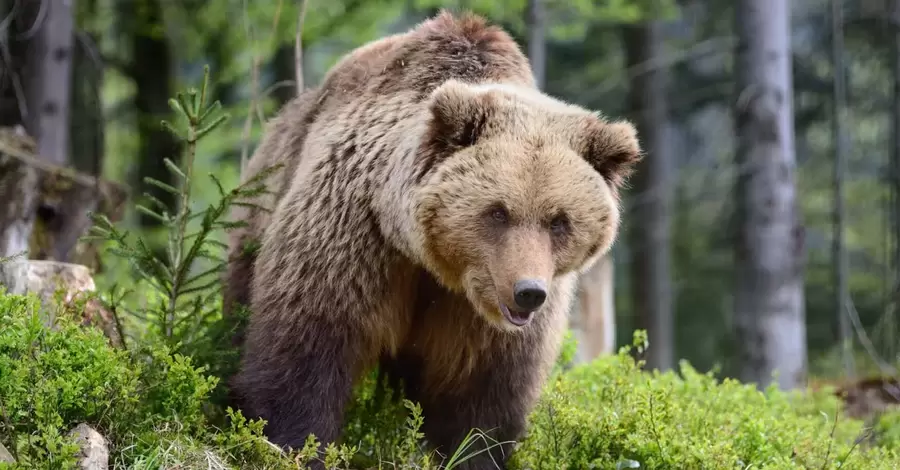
(424, 177)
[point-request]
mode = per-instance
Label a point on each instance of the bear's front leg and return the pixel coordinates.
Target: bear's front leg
(299, 380)
(494, 400)
(323, 307)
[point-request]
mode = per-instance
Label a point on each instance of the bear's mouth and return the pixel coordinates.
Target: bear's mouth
(516, 318)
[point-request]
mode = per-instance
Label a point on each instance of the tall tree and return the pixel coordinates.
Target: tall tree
(769, 301)
(650, 219)
(151, 69)
(48, 68)
(86, 125)
(13, 39)
(839, 248)
(895, 150)
(537, 42)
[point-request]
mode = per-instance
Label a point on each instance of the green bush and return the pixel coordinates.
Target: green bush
(887, 429)
(151, 404)
(612, 414)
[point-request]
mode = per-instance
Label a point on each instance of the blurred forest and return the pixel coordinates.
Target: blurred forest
(709, 228)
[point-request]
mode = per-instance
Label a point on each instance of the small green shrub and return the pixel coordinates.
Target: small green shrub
(887, 429)
(151, 404)
(611, 414)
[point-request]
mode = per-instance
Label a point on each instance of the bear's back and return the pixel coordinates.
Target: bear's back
(369, 109)
(445, 47)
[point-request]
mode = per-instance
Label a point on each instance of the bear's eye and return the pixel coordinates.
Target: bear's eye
(499, 215)
(559, 225)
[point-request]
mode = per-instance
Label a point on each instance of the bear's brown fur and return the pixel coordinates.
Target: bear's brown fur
(431, 190)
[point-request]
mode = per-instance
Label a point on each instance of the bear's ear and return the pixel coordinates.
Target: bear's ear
(612, 148)
(458, 115)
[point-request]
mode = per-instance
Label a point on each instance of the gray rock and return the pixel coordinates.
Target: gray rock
(5, 456)
(44, 278)
(94, 453)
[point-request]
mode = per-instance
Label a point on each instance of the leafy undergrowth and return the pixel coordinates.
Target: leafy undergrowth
(154, 407)
(610, 414)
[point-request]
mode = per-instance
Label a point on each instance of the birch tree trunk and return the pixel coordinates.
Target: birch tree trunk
(769, 301)
(47, 81)
(537, 41)
(650, 218)
(594, 317)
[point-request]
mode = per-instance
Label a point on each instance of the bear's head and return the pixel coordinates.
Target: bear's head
(518, 190)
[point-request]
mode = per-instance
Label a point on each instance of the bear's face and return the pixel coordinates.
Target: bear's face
(522, 189)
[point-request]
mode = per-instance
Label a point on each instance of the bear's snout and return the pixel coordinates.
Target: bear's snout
(529, 294)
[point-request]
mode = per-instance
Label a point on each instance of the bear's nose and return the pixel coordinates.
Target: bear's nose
(529, 294)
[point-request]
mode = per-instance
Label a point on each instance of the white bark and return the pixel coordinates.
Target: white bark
(48, 79)
(594, 317)
(769, 302)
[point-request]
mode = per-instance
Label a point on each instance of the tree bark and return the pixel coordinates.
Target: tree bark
(48, 72)
(895, 150)
(151, 71)
(12, 89)
(839, 249)
(594, 319)
(282, 67)
(87, 123)
(769, 300)
(651, 204)
(537, 41)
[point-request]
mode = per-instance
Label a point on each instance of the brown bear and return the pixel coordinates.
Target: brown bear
(434, 214)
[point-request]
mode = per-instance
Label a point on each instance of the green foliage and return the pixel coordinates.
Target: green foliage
(887, 429)
(611, 414)
(180, 292)
(148, 402)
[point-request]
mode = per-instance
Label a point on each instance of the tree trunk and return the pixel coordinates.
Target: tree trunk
(282, 66)
(537, 42)
(895, 151)
(48, 72)
(594, 318)
(12, 94)
(151, 71)
(769, 301)
(87, 123)
(650, 218)
(839, 249)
